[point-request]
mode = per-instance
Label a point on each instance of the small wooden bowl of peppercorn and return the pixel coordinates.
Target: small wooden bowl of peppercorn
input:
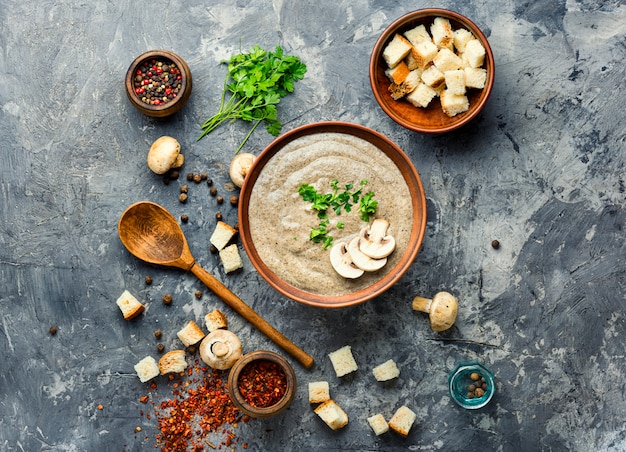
(262, 384)
(471, 385)
(158, 83)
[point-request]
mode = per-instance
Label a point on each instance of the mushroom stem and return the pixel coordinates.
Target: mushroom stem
(220, 349)
(422, 304)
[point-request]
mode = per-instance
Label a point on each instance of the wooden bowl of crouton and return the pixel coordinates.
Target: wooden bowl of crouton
(432, 70)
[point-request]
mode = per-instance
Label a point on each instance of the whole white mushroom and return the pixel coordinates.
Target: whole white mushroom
(164, 155)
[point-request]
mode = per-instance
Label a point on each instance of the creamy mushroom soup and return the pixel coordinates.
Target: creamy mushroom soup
(281, 222)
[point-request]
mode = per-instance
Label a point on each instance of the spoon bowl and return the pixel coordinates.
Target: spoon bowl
(152, 234)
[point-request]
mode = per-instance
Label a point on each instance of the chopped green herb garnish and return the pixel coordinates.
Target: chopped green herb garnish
(338, 200)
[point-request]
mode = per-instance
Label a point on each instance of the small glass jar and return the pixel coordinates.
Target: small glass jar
(471, 385)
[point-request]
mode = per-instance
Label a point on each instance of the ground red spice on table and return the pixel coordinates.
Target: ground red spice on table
(200, 405)
(262, 383)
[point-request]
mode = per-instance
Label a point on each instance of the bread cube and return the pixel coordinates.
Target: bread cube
(386, 371)
(215, 320)
(474, 53)
(453, 104)
(332, 414)
(461, 38)
(475, 77)
(398, 73)
(433, 77)
(147, 369)
(442, 34)
(319, 391)
(402, 421)
(129, 305)
(398, 91)
(455, 81)
(222, 235)
(378, 424)
(190, 334)
(447, 60)
(343, 361)
(396, 50)
(173, 362)
(231, 260)
(424, 52)
(421, 96)
(417, 34)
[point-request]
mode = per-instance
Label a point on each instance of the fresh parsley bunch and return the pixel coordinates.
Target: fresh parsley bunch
(257, 81)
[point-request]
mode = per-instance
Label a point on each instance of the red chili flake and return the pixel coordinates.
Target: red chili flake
(262, 383)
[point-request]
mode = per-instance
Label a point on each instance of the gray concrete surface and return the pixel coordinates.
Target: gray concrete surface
(541, 170)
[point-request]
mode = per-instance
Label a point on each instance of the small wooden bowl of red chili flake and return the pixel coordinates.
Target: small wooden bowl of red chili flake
(262, 384)
(158, 83)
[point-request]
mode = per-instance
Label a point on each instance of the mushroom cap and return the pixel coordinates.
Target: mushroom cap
(342, 262)
(220, 349)
(443, 310)
(363, 261)
(163, 154)
(239, 167)
(375, 242)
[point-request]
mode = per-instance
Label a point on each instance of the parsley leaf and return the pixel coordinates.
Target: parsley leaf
(256, 81)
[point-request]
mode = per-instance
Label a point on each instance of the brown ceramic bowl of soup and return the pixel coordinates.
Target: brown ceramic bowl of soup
(158, 83)
(430, 119)
(276, 223)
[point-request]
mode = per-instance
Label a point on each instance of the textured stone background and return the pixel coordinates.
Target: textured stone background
(541, 170)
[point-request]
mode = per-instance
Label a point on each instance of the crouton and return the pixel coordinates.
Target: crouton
(378, 424)
(215, 320)
(173, 362)
(129, 305)
(396, 50)
(386, 371)
(453, 104)
(447, 60)
(343, 361)
(222, 235)
(402, 421)
(475, 77)
(421, 96)
(230, 258)
(332, 414)
(191, 334)
(147, 369)
(455, 81)
(474, 53)
(442, 34)
(319, 391)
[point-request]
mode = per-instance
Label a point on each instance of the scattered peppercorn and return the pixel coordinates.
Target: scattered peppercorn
(495, 244)
(167, 299)
(174, 174)
(220, 199)
(192, 349)
(213, 249)
(158, 334)
(198, 294)
(213, 191)
(184, 188)
(218, 216)
(160, 348)
(184, 218)
(166, 180)
(234, 200)
(209, 182)
(197, 178)
(53, 330)
(189, 177)
(183, 198)
(148, 280)
(204, 176)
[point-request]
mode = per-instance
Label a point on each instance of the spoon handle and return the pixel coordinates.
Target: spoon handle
(251, 316)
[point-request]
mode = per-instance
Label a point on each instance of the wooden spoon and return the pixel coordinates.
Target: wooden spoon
(152, 234)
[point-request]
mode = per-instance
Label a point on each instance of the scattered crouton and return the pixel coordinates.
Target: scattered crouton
(343, 361)
(215, 320)
(231, 260)
(319, 391)
(402, 421)
(147, 369)
(190, 334)
(173, 362)
(332, 414)
(129, 305)
(378, 424)
(222, 235)
(386, 371)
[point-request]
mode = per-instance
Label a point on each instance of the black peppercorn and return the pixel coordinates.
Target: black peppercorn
(184, 188)
(197, 178)
(495, 244)
(183, 198)
(158, 334)
(209, 182)
(218, 216)
(148, 280)
(167, 299)
(234, 200)
(204, 176)
(213, 191)
(166, 180)
(184, 218)
(213, 249)
(198, 294)
(174, 174)
(160, 348)
(220, 199)
(189, 177)
(53, 330)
